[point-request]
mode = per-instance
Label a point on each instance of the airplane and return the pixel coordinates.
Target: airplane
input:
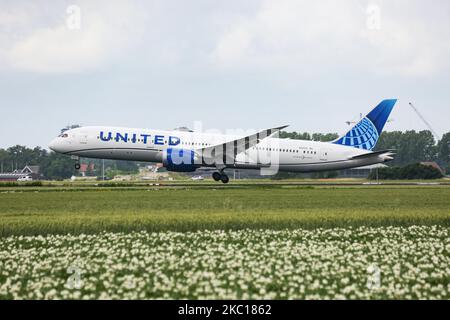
(186, 151)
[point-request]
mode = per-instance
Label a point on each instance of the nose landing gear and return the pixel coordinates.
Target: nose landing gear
(220, 176)
(77, 163)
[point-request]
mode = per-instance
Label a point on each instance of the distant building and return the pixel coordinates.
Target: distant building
(86, 168)
(433, 165)
(30, 171)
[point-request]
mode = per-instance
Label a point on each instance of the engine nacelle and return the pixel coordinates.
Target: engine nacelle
(180, 160)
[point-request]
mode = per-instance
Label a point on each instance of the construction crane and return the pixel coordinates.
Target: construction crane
(350, 122)
(424, 121)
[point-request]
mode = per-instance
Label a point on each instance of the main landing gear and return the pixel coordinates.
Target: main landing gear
(220, 176)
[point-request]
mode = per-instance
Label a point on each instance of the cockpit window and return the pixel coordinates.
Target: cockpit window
(64, 135)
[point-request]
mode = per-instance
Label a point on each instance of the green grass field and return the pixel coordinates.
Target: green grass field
(49, 211)
(247, 241)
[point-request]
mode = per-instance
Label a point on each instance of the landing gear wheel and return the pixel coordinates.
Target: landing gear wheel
(216, 176)
(225, 178)
(77, 166)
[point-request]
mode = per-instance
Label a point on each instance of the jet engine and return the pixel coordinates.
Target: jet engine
(180, 160)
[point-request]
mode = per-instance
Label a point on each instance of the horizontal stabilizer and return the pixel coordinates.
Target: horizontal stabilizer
(387, 153)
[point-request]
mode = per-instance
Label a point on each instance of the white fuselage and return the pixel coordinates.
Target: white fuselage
(149, 146)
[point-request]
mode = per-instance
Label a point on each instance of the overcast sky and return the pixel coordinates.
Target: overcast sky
(229, 64)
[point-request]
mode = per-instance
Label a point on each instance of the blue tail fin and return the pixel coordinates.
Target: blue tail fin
(366, 133)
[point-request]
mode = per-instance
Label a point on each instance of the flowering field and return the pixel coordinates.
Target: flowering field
(338, 263)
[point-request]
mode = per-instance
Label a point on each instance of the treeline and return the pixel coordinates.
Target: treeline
(411, 146)
(52, 165)
(409, 172)
(56, 166)
(323, 137)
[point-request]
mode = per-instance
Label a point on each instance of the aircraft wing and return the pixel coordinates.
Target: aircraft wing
(229, 150)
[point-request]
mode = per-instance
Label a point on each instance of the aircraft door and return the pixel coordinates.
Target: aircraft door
(83, 138)
(324, 154)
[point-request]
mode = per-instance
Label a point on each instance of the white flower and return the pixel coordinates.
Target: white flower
(245, 264)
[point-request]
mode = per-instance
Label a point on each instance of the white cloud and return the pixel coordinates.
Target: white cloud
(107, 31)
(316, 36)
(302, 37)
(58, 50)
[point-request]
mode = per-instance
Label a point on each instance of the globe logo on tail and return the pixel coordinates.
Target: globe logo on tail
(363, 136)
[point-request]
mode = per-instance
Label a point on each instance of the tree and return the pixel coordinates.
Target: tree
(4, 160)
(295, 135)
(411, 146)
(443, 150)
(324, 137)
(20, 156)
(415, 171)
(327, 137)
(56, 166)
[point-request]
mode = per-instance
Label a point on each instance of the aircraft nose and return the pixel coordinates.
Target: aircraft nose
(53, 145)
